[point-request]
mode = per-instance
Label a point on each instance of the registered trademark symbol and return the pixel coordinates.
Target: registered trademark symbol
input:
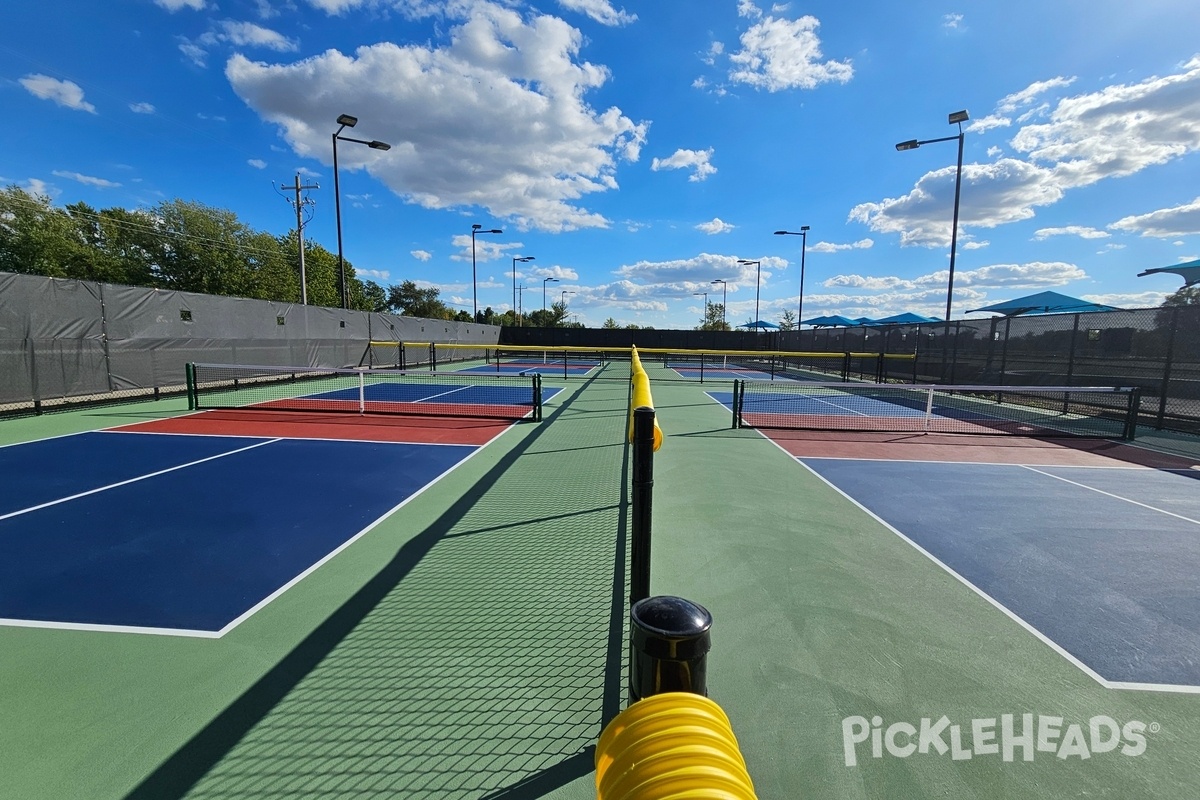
(1155, 727)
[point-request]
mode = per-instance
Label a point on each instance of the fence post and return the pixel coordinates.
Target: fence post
(1166, 379)
(642, 500)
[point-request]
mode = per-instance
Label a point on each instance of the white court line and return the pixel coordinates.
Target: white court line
(1046, 640)
(1114, 496)
(132, 480)
(432, 396)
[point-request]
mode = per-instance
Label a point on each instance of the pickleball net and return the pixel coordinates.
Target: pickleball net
(1084, 411)
(273, 388)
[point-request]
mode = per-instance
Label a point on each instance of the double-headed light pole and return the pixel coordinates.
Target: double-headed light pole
(475, 283)
(346, 121)
(757, 285)
(958, 117)
(724, 298)
(524, 259)
(803, 233)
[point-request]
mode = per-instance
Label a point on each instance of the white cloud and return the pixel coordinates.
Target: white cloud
(697, 160)
(717, 225)
(421, 255)
(830, 247)
(601, 11)
(975, 244)
(1165, 223)
(376, 275)
(952, 21)
(196, 54)
(247, 34)
(64, 93)
(782, 54)
(684, 276)
(987, 123)
(1026, 96)
(39, 188)
(257, 163)
(556, 271)
(141, 108)
(87, 180)
(497, 119)
(176, 5)
(1081, 231)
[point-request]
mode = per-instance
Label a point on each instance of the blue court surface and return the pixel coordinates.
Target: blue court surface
(1100, 562)
(186, 533)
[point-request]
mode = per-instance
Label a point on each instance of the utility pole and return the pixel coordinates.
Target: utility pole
(520, 305)
(299, 204)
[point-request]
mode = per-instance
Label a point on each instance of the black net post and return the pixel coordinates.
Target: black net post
(1132, 413)
(642, 501)
(190, 372)
(668, 647)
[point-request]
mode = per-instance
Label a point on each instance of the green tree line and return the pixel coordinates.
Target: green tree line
(188, 246)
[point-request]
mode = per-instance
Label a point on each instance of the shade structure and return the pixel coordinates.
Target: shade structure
(762, 323)
(833, 321)
(906, 318)
(865, 321)
(1188, 270)
(1044, 303)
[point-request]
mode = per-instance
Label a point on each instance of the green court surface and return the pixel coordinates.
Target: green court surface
(473, 644)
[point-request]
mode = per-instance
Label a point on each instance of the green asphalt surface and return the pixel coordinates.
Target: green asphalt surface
(473, 644)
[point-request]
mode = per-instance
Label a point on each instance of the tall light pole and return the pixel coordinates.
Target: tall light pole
(474, 283)
(346, 121)
(757, 286)
(705, 294)
(514, 277)
(563, 301)
(803, 234)
(544, 282)
(958, 117)
(724, 299)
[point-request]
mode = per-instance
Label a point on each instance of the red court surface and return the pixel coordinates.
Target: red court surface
(976, 449)
(303, 425)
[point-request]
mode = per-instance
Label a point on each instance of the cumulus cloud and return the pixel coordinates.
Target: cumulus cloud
(248, 34)
(421, 255)
(717, 225)
(830, 247)
(779, 54)
(695, 160)
(1165, 223)
(257, 163)
(496, 119)
(601, 11)
(64, 93)
(87, 180)
(1082, 231)
(141, 108)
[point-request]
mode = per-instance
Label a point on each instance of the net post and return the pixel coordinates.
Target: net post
(1131, 415)
(432, 357)
(537, 397)
(846, 366)
(362, 392)
(703, 358)
(190, 371)
(737, 385)
(642, 499)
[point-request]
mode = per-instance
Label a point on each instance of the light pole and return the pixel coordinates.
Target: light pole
(563, 301)
(958, 117)
(346, 121)
(705, 294)
(514, 277)
(757, 285)
(803, 234)
(474, 284)
(544, 282)
(724, 299)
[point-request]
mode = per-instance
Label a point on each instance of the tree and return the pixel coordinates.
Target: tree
(38, 239)
(1184, 296)
(610, 323)
(787, 320)
(412, 301)
(713, 318)
(374, 297)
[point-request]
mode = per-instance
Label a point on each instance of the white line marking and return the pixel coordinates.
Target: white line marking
(133, 480)
(1114, 496)
(432, 396)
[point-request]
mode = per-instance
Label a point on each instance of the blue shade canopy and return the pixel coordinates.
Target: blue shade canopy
(762, 323)
(835, 321)
(907, 318)
(1044, 303)
(1189, 271)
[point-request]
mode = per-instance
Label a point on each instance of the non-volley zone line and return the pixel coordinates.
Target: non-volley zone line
(194, 546)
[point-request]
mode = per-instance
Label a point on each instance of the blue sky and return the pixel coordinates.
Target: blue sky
(638, 151)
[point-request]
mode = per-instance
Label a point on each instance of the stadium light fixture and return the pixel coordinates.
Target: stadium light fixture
(757, 286)
(544, 282)
(476, 228)
(724, 298)
(346, 121)
(956, 118)
(803, 233)
(514, 277)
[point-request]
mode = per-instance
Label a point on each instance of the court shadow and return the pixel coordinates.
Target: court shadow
(467, 666)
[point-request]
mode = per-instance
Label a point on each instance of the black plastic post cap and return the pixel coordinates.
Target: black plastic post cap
(670, 628)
